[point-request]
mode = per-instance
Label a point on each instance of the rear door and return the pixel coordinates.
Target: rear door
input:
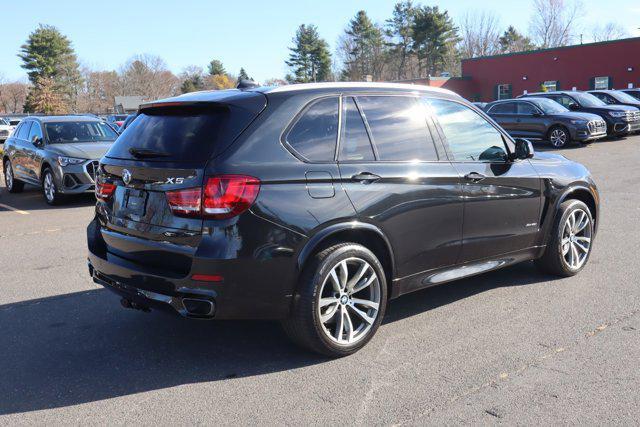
(398, 179)
(505, 115)
(502, 197)
(21, 153)
(157, 166)
(529, 122)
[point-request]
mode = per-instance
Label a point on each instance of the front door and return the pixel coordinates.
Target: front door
(502, 197)
(398, 179)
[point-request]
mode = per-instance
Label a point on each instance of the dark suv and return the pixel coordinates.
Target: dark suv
(621, 119)
(634, 92)
(316, 204)
(541, 118)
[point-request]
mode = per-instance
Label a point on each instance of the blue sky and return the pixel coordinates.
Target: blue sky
(253, 34)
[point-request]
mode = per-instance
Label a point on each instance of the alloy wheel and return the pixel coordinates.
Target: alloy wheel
(349, 301)
(49, 187)
(558, 138)
(576, 239)
(8, 175)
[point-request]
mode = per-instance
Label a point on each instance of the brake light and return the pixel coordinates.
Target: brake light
(221, 197)
(104, 190)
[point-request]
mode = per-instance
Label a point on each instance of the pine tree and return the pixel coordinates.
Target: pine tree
(310, 58)
(434, 38)
(216, 68)
(242, 75)
(399, 28)
(48, 54)
(512, 41)
(364, 48)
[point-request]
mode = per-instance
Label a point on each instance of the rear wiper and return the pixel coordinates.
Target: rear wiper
(143, 153)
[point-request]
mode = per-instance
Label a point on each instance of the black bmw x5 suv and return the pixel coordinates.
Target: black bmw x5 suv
(316, 204)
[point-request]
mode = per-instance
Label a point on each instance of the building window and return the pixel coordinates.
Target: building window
(600, 83)
(550, 85)
(504, 91)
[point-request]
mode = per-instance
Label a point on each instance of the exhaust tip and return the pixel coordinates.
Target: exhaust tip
(198, 307)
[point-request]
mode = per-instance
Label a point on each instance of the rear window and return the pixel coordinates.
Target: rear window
(315, 133)
(181, 134)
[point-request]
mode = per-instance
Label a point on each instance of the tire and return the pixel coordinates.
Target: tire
(49, 188)
(327, 322)
(555, 260)
(559, 136)
(13, 185)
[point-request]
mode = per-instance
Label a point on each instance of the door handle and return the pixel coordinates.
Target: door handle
(365, 177)
(474, 177)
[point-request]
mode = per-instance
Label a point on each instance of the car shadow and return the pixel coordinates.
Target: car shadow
(31, 199)
(83, 347)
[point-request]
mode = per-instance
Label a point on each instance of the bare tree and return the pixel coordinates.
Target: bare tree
(147, 75)
(553, 22)
(99, 91)
(610, 31)
(13, 95)
(479, 34)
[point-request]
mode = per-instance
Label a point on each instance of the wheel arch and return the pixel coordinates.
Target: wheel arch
(585, 195)
(368, 235)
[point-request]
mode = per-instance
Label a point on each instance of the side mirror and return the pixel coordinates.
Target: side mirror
(574, 107)
(537, 114)
(37, 141)
(523, 150)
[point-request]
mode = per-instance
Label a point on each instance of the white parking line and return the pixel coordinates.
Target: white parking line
(11, 208)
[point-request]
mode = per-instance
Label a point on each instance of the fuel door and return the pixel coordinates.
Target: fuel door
(320, 184)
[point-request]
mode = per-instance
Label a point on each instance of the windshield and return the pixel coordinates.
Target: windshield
(3, 122)
(549, 106)
(588, 100)
(624, 97)
(72, 132)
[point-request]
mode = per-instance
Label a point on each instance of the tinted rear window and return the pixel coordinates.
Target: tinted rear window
(179, 134)
(315, 133)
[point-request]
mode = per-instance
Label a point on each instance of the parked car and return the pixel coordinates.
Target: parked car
(542, 118)
(615, 97)
(117, 119)
(5, 130)
(621, 119)
(126, 122)
(317, 203)
(58, 153)
(635, 92)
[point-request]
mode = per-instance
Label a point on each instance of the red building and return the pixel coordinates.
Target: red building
(605, 65)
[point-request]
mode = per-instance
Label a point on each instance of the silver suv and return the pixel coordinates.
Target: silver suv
(58, 153)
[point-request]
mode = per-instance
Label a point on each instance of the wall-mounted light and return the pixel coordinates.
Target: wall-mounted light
(630, 69)
(524, 77)
(555, 58)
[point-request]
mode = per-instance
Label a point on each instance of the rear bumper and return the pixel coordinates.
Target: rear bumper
(250, 289)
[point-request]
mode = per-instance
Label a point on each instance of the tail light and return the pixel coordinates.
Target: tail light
(104, 190)
(221, 197)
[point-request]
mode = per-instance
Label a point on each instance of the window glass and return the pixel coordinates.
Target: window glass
(469, 135)
(81, 131)
(36, 131)
(23, 130)
(504, 108)
(550, 85)
(526, 108)
(504, 91)
(315, 134)
(398, 128)
(601, 83)
(564, 100)
(355, 144)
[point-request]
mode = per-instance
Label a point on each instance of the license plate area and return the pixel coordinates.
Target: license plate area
(131, 203)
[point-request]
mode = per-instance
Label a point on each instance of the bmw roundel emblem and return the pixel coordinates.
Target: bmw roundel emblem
(126, 176)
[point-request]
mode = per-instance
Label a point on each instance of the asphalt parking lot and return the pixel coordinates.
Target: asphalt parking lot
(513, 346)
